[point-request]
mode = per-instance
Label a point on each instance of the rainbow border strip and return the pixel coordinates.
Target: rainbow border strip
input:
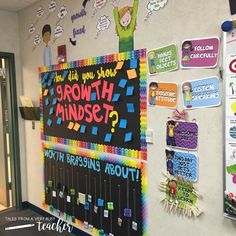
(137, 54)
(139, 164)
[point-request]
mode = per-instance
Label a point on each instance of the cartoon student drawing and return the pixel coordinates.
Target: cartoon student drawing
(169, 161)
(151, 60)
(172, 184)
(187, 89)
(125, 20)
(46, 35)
(152, 92)
(187, 47)
(170, 137)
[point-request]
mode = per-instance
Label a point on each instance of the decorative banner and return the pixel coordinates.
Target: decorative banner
(182, 134)
(201, 93)
(180, 195)
(154, 5)
(163, 94)
(163, 59)
(98, 103)
(200, 53)
(182, 164)
(102, 194)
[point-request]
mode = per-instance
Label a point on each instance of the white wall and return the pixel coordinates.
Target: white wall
(177, 21)
(9, 42)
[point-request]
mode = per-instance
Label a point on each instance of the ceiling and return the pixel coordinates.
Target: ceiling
(15, 5)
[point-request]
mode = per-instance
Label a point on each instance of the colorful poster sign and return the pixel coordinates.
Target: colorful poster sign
(98, 103)
(200, 53)
(181, 195)
(231, 129)
(230, 151)
(182, 134)
(100, 193)
(230, 123)
(182, 164)
(163, 94)
(163, 59)
(201, 93)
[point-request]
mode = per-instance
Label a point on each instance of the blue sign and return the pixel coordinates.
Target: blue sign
(201, 93)
(182, 164)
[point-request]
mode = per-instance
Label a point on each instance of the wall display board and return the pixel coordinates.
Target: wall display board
(229, 46)
(98, 103)
(100, 193)
(182, 134)
(200, 53)
(163, 94)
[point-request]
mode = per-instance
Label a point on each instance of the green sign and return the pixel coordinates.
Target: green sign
(163, 59)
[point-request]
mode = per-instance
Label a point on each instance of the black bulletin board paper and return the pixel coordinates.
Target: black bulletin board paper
(76, 184)
(101, 103)
(232, 4)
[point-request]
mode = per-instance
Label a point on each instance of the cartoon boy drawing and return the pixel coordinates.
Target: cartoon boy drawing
(187, 47)
(187, 89)
(125, 20)
(169, 161)
(170, 137)
(152, 92)
(151, 59)
(46, 35)
(172, 184)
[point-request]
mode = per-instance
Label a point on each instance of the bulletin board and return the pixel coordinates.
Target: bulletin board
(97, 192)
(97, 103)
(229, 55)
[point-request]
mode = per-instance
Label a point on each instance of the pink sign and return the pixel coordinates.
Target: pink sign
(200, 53)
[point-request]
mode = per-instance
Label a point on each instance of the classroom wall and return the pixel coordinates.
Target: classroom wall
(9, 42)
(179, 20)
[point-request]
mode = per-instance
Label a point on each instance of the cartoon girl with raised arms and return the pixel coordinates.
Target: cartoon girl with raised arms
(125, 20)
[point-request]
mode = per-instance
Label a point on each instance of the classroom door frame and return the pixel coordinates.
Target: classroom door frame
(13, 131)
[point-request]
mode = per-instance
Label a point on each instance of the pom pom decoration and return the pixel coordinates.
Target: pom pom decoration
(228, 25)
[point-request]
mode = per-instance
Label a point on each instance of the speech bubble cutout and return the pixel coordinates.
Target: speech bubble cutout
(37, 40)
(103, 24)
(98, 4)
(155, 5)
(58, 31)
(40, 12)
(31, 28)
(62, 12)
(52, 6)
